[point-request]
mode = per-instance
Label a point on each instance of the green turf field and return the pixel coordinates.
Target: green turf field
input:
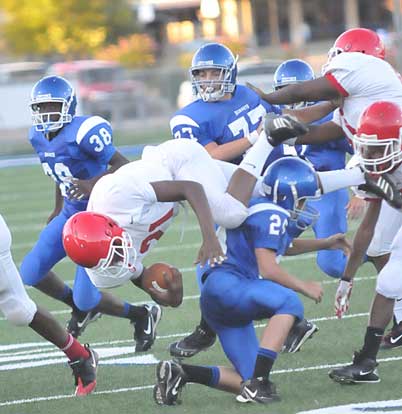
(34, 377)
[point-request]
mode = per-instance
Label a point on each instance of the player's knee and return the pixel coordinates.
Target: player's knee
(332, 265)
(86, 301)
(229, 213)
(389, 284)
(18, 311)
(30, 270)
(292, 305)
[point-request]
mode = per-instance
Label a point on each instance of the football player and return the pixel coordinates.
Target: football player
(74, 151)
(225, 119)
(378, 144)
(20, 310)
(356, 75)
(251, 285)
(139, 201)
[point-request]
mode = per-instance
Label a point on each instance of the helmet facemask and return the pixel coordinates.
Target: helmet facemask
(212, 90)
(50, 120)
(120, 258)
(378, 156)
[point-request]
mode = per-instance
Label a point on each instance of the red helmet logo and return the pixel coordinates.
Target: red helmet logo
(378, 139)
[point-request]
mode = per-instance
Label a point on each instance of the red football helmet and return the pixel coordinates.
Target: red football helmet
(358, 40)
(97, 242)
(378, 138)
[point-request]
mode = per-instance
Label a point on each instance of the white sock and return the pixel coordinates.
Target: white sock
(254, 160)
(337, 179)
(398, 311)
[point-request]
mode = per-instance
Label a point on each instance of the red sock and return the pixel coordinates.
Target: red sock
(74, 350)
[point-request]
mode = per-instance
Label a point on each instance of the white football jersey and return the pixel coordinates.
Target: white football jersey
(362, 80)
(128, 198)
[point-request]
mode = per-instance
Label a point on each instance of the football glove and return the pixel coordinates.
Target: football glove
(383, 187)
(283, 129)
(342, 297)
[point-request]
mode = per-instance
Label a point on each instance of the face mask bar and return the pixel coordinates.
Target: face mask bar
(120, 258)
(389, 148)
(43, 120)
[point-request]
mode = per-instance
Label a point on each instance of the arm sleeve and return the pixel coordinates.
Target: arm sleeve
(95, 138)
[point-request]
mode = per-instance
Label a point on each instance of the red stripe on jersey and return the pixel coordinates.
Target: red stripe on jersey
(164, 218)
(333, 81)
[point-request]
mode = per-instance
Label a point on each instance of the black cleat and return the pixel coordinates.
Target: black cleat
(361, 371)
(258, 390)
(80, 320)
(298, 335)
(170, 380)
(84, 371)
(199, 340)
(145, 328)
(393, 339)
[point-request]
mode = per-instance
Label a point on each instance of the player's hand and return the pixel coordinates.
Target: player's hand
(174, 293)
(383, 187)
(339, 241)
(210, 251)
(355, 207)
(342, 297)
(313, 290)
(79, 189)
(283, 129)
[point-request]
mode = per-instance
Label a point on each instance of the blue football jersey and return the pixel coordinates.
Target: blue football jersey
(266, 227)
(222, 121)
(82, 149)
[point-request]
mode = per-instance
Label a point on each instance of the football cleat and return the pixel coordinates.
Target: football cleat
(170, 380)
(361, 371)
(258, 390)
(84, 371)
(80, 320)
(145, 328)
(199, 340)
(393, 339)
(298, 335)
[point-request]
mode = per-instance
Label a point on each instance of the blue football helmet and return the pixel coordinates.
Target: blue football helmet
(290, 72)
(213, 56)
(52, 89)
(289, 182)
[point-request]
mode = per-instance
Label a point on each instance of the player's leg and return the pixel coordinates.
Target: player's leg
(37, 264)
(20, 310)
(389, 288)
(89, 299)
(332, 220)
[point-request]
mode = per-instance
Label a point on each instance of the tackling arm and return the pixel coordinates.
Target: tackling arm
(269, 269)
(312, 113)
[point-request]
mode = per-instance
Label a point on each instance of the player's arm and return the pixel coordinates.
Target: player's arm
(270, 269)
(312, 113)
(194, 193)
(58, 204)
(335, 242)
(320, 89)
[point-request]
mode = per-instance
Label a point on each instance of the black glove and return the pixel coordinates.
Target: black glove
(283, 129)
(382, 186)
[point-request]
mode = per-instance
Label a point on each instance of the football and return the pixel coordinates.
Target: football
(153, 276)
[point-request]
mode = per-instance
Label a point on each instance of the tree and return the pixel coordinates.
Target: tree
(71, 28)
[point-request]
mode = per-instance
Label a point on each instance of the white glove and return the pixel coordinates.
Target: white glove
(342, 297)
